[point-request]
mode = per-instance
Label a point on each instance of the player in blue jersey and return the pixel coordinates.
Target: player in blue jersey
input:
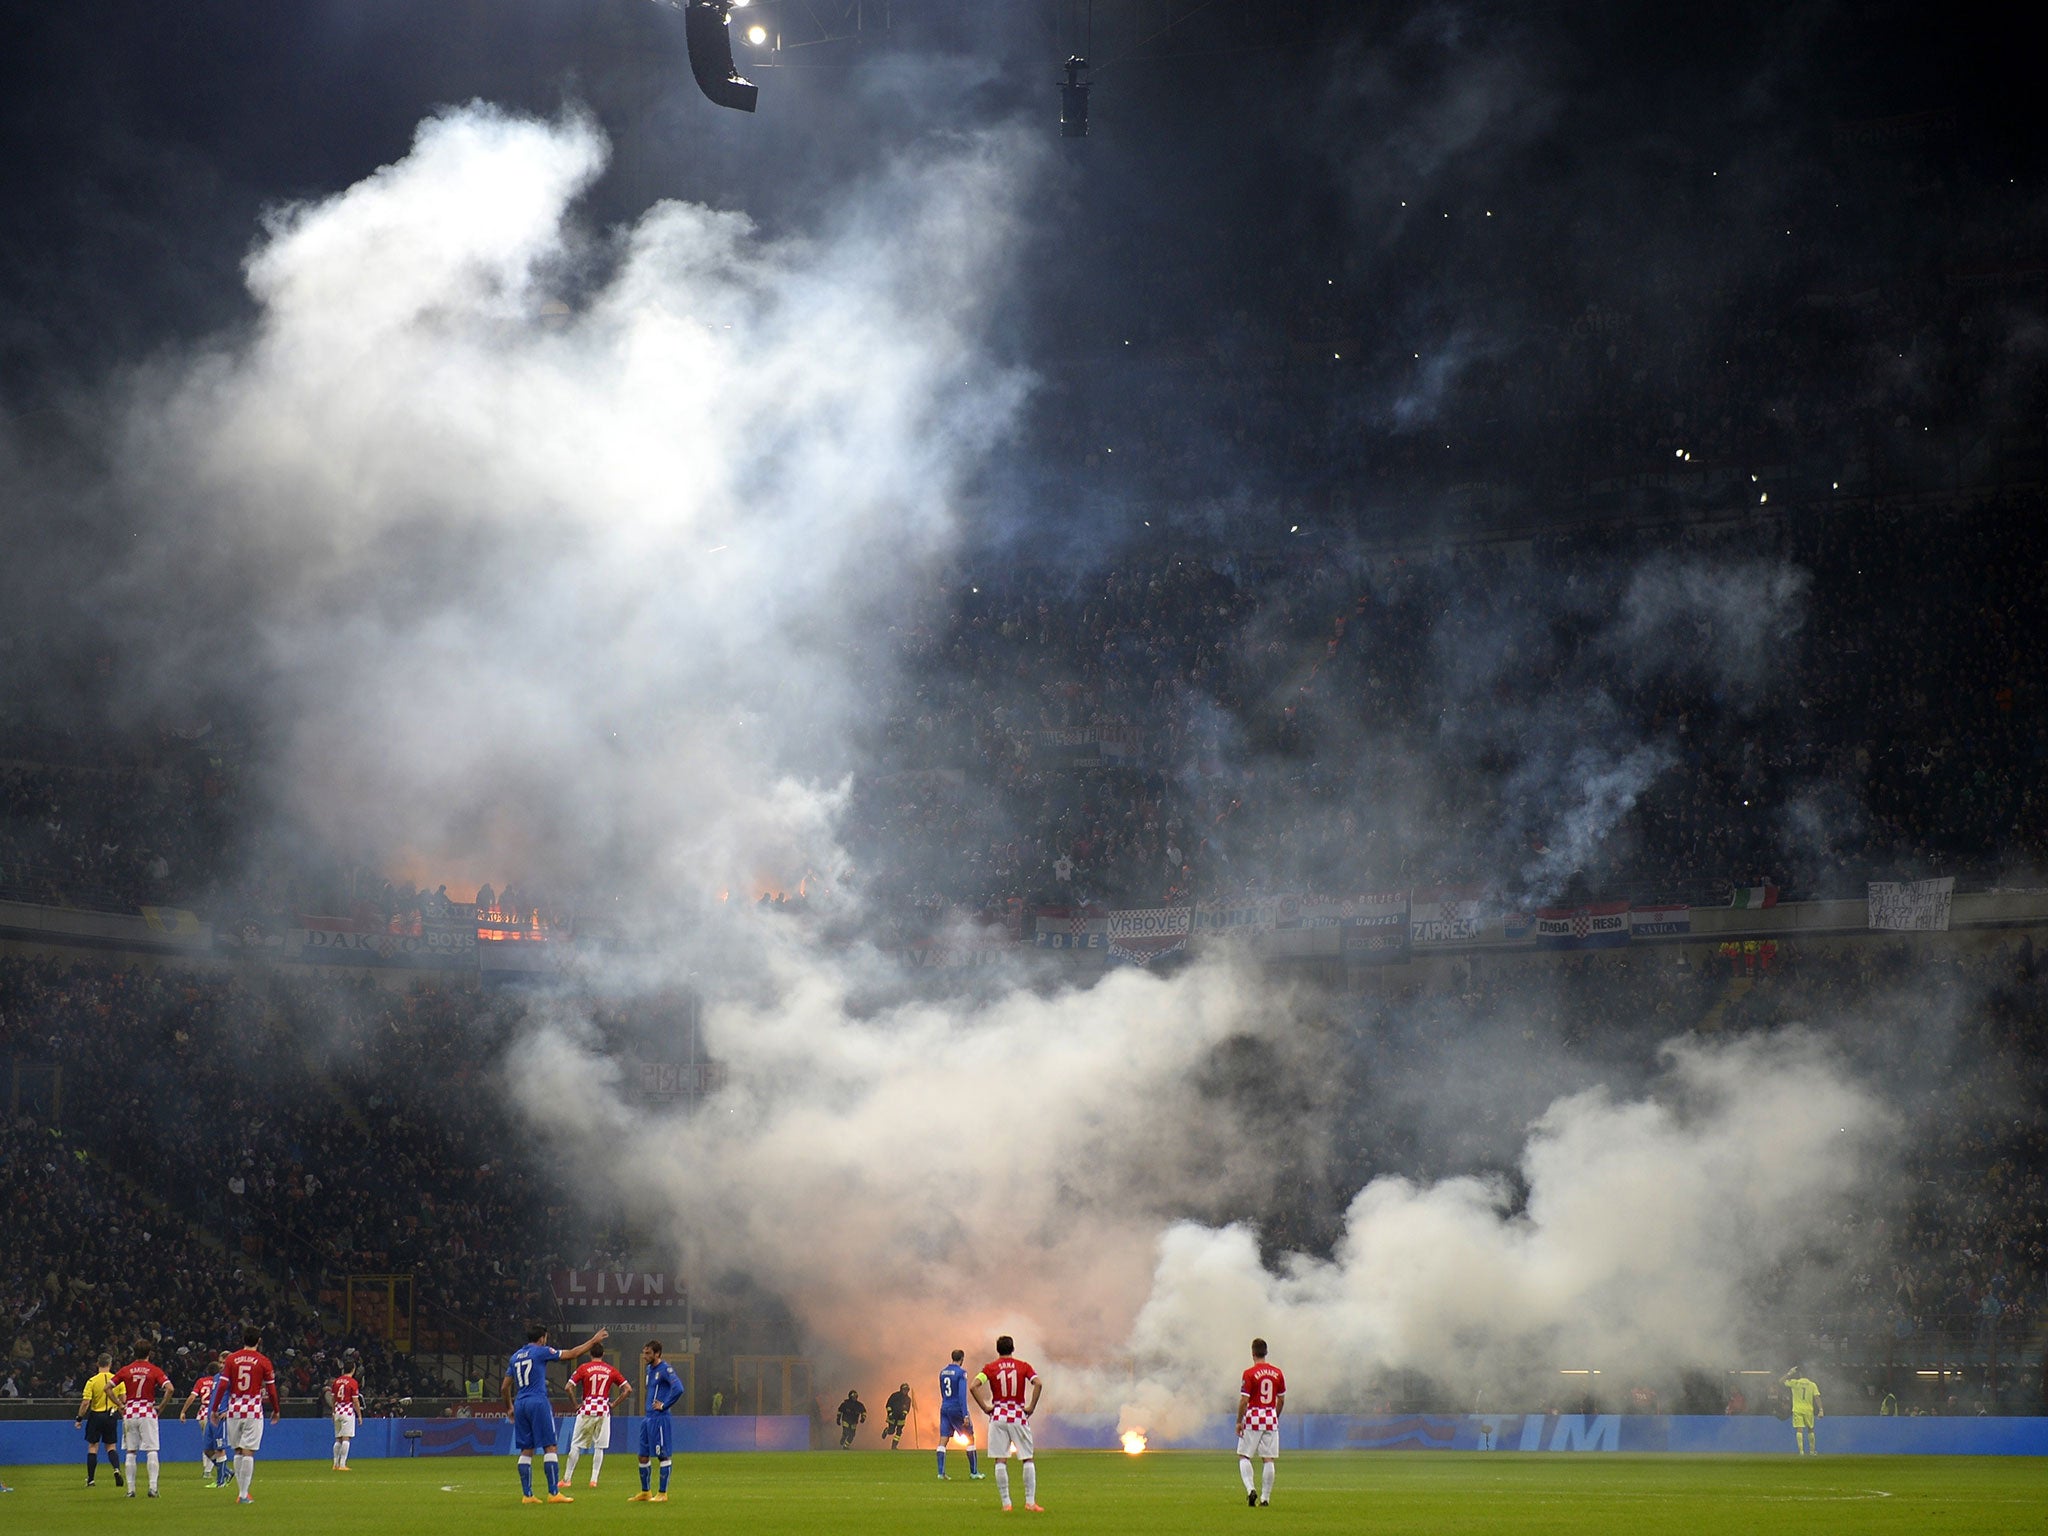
(663, 1387)
(533, 1416)
(209, 1395)
(954, 1419)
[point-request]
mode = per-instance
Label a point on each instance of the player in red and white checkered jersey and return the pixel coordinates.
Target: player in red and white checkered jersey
(1260, 1397)
(344, 1397)
(143, 1387)
(596, 1384)
(1007, 1391)
(252, 1382)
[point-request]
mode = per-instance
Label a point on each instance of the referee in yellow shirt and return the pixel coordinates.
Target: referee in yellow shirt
(99, 1414)
(1805, 1409)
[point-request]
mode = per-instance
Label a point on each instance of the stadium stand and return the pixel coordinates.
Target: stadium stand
(362, 1153)
(314, 1130)
(1211, 714)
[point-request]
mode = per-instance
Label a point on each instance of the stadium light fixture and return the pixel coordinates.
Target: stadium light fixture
(705, 28)
(757, 34)
(1074, 100)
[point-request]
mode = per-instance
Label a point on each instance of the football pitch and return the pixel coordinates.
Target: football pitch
(862, 1492)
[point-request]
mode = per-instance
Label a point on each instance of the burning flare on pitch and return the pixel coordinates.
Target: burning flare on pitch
(1134, 1442)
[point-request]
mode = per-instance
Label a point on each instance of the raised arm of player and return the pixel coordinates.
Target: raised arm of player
(584, 1348)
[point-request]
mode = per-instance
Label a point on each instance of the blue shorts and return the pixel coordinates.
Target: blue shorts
(654, 1434)
(533, 1424)
(216, 1432)
(953, 1423)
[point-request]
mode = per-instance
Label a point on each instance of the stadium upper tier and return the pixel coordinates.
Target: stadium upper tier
(1807, 702)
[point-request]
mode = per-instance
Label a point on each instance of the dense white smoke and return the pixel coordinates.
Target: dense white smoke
(576, 556)
(925, 1177)
(1646, 1230)
(561, 548)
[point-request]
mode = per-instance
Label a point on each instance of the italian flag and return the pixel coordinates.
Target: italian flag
(1754, 896)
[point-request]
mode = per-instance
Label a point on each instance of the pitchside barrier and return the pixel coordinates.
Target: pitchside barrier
(46, 1442)
(1748, 1434)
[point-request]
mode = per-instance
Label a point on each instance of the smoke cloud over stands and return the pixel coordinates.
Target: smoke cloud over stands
(575, 551)
(556, 544)
(1646, 1229)
(578, 550)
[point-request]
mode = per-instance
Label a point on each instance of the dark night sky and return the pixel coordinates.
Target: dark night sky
(1473, 175)
(143, 139)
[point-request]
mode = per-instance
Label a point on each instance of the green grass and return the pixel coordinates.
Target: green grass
(863, 1492)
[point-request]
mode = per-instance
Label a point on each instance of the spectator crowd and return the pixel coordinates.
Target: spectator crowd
(226, 1147)
(312, 1130)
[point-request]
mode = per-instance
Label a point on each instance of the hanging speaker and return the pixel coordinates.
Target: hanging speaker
(710, 40)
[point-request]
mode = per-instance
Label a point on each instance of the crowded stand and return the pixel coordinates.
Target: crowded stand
(1759, 613)
(314, 1129)
(87, 1258)
(1321, 724)
(1933, 1291)
(1224, 727)
(369, 1147)
(115, 833)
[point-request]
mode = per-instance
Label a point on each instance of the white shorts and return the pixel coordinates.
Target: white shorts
(1006, 1439)
(593, 1432)
(139, 1433)
(245, 1434)
(1261, 1443)
(344, 1426)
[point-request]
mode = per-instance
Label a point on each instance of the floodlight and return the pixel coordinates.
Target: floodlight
(757, 34)
(704, 26)
(1074, 100)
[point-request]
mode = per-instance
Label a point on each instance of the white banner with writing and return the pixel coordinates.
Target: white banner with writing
(1911, 905)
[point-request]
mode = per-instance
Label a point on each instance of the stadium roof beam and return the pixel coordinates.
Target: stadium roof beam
(793, 26)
